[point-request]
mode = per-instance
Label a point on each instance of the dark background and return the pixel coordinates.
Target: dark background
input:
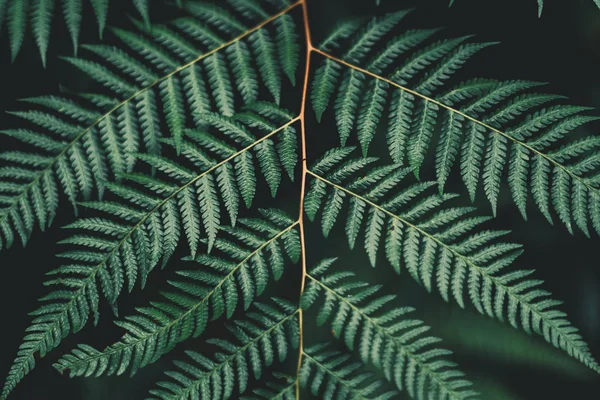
(562, 48)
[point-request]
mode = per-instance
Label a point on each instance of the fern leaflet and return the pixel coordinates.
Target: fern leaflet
(79, 146)
(149, 228)
(262, 339)
(487, 126)
(208, 293)
(41, 14)
(178, 146)
(363, 318)
(436, 244)
(333, 375)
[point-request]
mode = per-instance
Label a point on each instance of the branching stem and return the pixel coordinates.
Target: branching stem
(6, 212)
(309, 50)
(509, 290)
(490, 128)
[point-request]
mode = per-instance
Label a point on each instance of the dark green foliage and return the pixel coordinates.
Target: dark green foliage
(222, 284)
(383, 335)
(39, 15)
(151, 215)
(167, 162)
(487, 126)
(439, 245)
(330, 374)
(163, 83)
(264, 337)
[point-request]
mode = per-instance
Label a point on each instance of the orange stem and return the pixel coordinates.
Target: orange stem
(309, 50)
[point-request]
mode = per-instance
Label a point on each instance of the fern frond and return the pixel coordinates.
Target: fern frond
(331, 375)
(251, 257)
(485, 126)
(169, 78)
(41, 20)
(437, 244)
(150, 223)
(349, 94)
(72, 11)
(288, 48)
(383, 335)
(17, 25)
(264, 337)
(101, 11)
(197, 71)
(42, 13)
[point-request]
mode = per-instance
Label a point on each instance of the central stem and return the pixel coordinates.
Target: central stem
(309, 50)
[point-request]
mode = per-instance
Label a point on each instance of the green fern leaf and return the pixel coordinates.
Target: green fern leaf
(346, 103)
(217, 16)
(333, 375)
(172, 40)
(196, 93)
(247, 81)
(230, 192)
(323, 86)
(101, 10)
(42, 13)
(287, 147)
(370, 113)
(425, 118)
(72, 10)
(397, 47)
(195, 301)
(372, 33)
(517, 178)
(111, 131)
(190, 217)
(401, 110)
(166, 183)
(487, 125)
(144, 10)
(249, 9)
(173, 108)
(384, 336)
(437, 245)
(287, 46)
(340, 33)
(173, 198)
(493, 167)
(209, 207)
(41, 19)
(17, 24)
(471, 158)
(220, 83)
(231, 367)
(264, 49)
(448, 148)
